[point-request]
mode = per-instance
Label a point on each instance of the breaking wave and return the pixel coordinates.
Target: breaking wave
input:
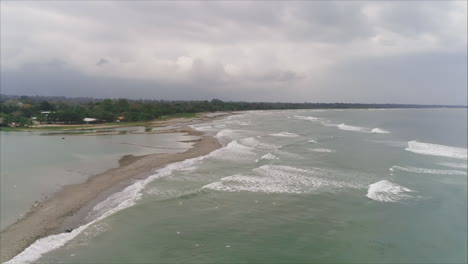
(284, 134)
(379, 131)
(325, 150)
(345, 127)
(253, 142)
(234, 152)
(437, 150)
(427, 171)
(351, 128)
(269, 156)
(310, 118)
(454, 165)
(278, 179)
(386, 191)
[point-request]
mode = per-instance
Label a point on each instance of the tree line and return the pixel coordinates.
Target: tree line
(22, 110)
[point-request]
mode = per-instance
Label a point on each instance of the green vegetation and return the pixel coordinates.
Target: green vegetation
(25, 111)
(22, 112)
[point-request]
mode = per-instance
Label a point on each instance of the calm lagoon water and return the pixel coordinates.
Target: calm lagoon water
(300, 186)
(33, 166)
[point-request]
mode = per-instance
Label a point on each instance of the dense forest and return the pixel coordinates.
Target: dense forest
(25, 110)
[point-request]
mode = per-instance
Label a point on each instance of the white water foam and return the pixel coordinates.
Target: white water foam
(455, 165)
(269, 156)
(284, 134)
(278, 179)
(357, 128)
(427, 171)
(312, 141)
(386, 191)
(288, 155)
(227, 135)
(309, 118)
(111, 205)
(234, 152)
(379, 131)
(352, 128)
(203, 128)
(324, 150)
(437, 150)
(238, 122)
(253, 142)
(328, 123)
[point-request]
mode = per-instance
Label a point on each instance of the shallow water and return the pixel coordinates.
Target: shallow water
(294, 186)
(34, 166)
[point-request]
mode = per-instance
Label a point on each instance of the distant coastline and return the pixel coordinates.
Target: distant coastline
(307, 105)
(61, 113)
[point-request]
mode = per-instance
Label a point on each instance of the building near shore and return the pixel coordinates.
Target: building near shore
(90, 120)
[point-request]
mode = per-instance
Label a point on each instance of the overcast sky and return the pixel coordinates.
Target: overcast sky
(344, 51)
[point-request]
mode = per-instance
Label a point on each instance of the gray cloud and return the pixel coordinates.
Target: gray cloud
(264, 51)
(102, 61)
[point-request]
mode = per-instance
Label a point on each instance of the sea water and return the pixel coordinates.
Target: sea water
(302, 186)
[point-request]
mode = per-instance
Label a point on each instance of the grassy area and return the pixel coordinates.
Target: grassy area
(96, 126)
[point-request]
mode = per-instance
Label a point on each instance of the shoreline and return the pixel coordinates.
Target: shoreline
(68, 208)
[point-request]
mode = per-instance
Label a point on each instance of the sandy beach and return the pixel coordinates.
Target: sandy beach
(62, 211)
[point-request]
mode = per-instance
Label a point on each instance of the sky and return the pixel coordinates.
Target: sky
(296, 51)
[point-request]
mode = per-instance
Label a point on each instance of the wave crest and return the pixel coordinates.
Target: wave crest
(379, 131)
(284, 134)
(386, 191)
(427, 171)
(437, 150)
(278, 179)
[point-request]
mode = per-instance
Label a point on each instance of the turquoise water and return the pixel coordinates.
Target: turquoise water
(376, 186)
(34, 166)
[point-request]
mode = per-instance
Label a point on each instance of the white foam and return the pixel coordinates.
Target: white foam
(455, 165)
(278, 179)
(284, 134)
(386, 191)
(379, 131)
(269, 156)
(234, 151)
(227, 135)
(288, 155)
(309, 118)
(328, 123)
(312, 141)
(324, 150)
(437, 150)
(351, 128)
(427, 171)
(111, 205)
(238, 122)
(253, 142)
(202, 128)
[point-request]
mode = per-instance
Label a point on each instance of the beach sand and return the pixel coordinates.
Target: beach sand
(61, 212)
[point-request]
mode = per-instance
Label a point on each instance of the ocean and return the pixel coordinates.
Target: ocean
(292, 186)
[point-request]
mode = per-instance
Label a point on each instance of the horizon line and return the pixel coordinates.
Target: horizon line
(234, 101)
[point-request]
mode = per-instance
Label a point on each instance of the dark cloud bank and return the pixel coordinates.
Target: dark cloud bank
(369, 52)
